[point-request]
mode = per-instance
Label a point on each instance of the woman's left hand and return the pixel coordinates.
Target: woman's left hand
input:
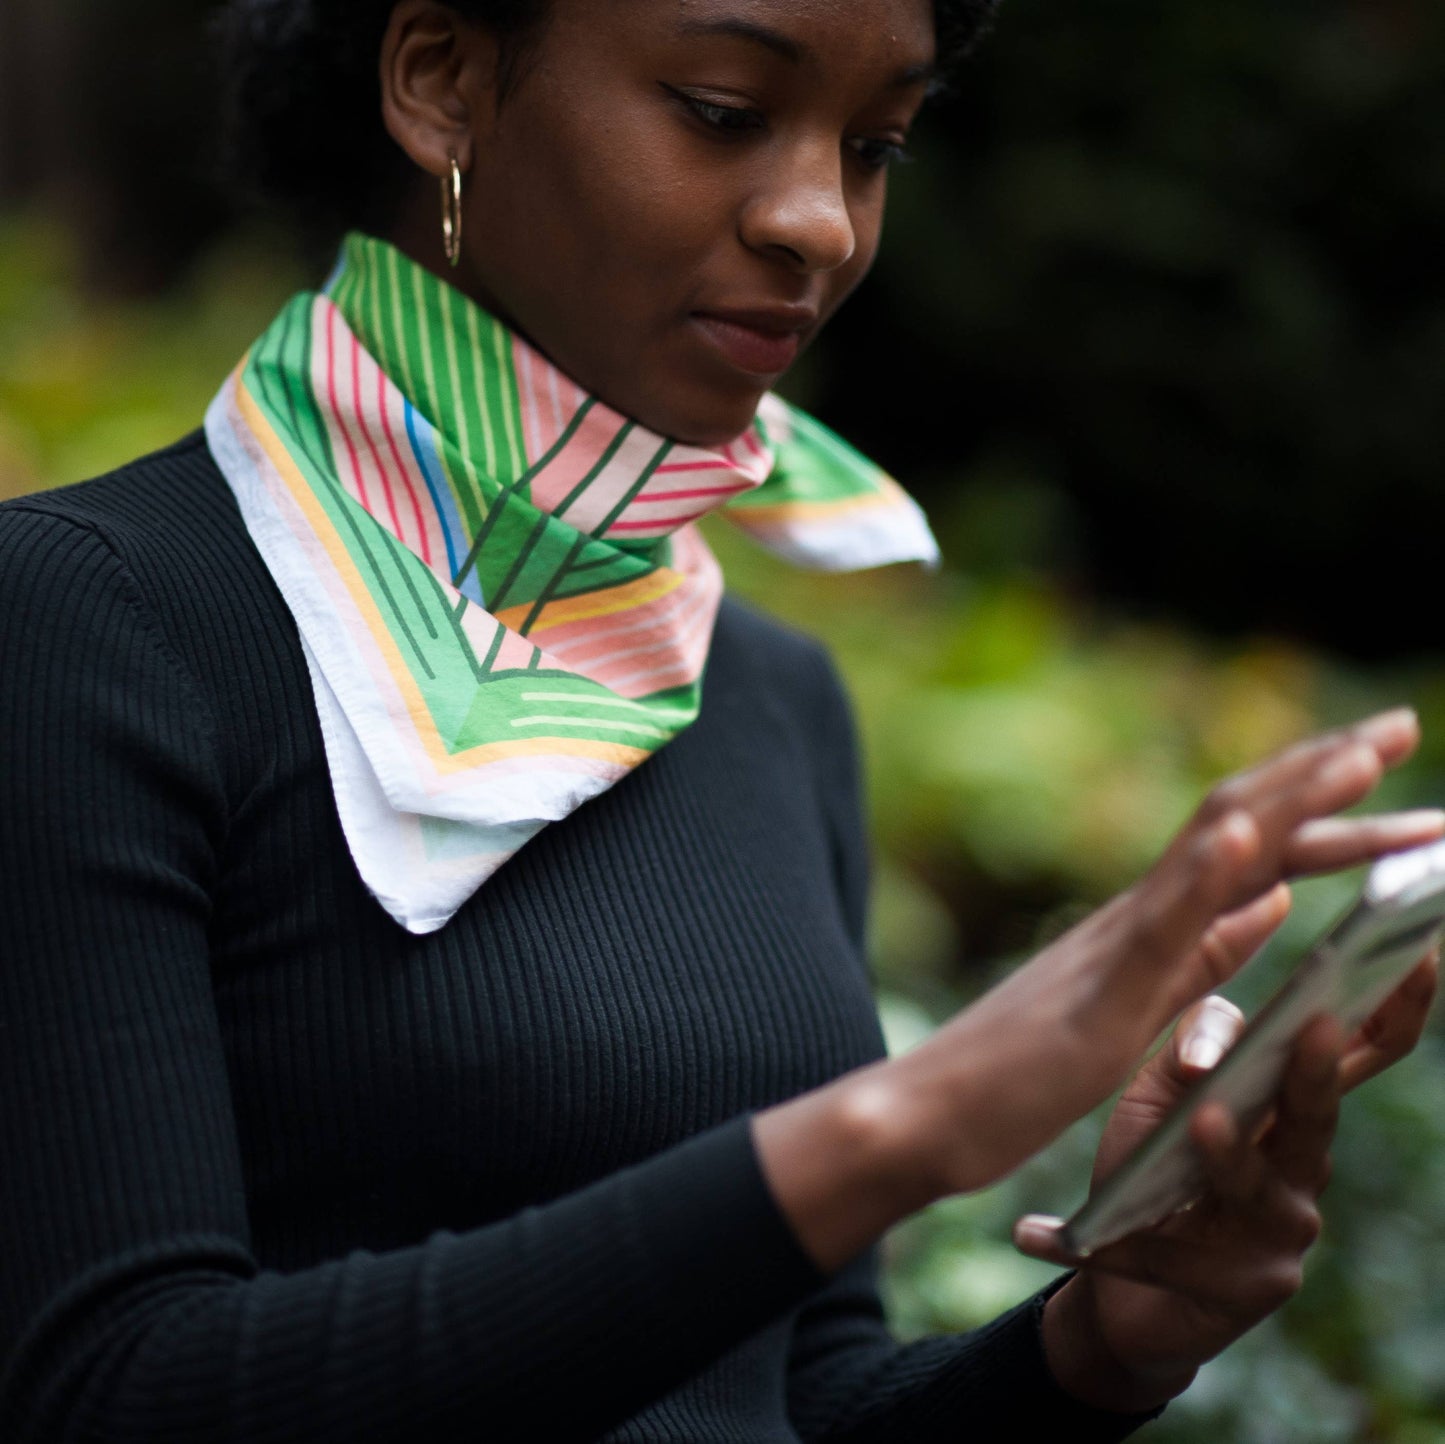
(1131, 1328)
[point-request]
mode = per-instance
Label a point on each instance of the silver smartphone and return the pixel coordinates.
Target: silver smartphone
(1399, 916)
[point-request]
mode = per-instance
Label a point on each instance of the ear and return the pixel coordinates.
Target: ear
(438, 81)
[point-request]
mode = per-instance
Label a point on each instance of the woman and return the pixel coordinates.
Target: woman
(415, 1062)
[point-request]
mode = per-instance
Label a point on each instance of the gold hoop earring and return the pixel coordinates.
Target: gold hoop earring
(452, 212)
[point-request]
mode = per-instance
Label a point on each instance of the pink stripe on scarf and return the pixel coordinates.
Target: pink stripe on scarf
(332, 316)
(549, 400)
(677, 665)
(651, 634)
(396, 529)
(695, 492)
(408, 480)
(661, 524)
(556, 482)
(675, 466)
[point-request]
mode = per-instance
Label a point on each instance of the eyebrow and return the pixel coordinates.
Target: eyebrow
(789, 49)
(763, 35)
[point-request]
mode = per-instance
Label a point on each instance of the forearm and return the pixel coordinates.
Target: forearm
(557, 1324)
(844, 1162)
(992, 1086)
(851, 1159)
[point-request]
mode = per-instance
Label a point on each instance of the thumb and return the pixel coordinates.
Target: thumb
(1205, 1033)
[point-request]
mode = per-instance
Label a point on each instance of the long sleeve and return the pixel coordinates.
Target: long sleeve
(849, 1380)
(132, 1305)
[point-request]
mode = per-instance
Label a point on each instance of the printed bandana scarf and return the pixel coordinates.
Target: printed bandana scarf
(502, 600)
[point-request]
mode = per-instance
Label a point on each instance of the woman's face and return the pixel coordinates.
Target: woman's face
(676, 194)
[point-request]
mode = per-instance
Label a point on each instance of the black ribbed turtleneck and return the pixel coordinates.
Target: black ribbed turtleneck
(272, 1169)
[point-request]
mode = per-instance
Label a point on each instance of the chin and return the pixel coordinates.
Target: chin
(709, 421)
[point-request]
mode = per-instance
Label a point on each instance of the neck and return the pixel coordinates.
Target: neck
(417, 237)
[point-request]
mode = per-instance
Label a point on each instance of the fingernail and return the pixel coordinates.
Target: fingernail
(1201, 1052)
(1214, 1030)
(1038, 1233)
(1385, 725)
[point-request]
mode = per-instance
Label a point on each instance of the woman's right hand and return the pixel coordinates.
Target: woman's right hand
(1009, 1073)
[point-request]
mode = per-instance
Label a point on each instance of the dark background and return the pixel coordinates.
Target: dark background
(1162, 310)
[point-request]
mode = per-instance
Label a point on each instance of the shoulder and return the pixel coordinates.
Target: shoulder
(79, 566)
(158, 549)
(790, 663)
(173, 534)
(761, 666)
(170, 508)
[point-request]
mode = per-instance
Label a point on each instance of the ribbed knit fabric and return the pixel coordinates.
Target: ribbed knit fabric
(273, 1170)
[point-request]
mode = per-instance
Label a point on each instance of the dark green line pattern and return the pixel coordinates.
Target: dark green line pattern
(634, 490)
(456, 366)
(549, 590)
(597, 470)
(497, 600)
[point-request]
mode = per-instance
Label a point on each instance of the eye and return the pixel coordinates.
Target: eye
(715, 115)
(877, 154)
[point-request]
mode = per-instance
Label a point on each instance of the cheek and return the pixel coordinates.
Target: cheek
(623, 215)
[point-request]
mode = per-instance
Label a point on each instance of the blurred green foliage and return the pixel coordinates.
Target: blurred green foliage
(1028, 752)
(1028, 755)
(84, 382)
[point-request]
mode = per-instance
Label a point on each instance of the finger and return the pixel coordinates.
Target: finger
(1204, 1035)
(1317, 779)
(1234, 1168)
(1394, 734)
(1364, 752)
(1295, 764)
(1041, 1235)
(1325, 844)
(1248, 823)
(1171, 909)
(1347, 777)
(1394, 1028)
(1242, 1286)
(1231, 941)
(1391, 737)
(1232, 853)
(1248, 1286)
(1200, 1038)
(1307, 1108)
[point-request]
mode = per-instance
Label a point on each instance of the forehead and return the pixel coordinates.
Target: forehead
(896, 34)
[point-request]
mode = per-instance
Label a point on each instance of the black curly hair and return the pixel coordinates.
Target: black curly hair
(304, 130)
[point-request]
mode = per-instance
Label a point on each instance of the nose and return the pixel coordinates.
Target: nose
(799, 212)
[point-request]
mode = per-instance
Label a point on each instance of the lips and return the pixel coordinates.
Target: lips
(761, 342)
